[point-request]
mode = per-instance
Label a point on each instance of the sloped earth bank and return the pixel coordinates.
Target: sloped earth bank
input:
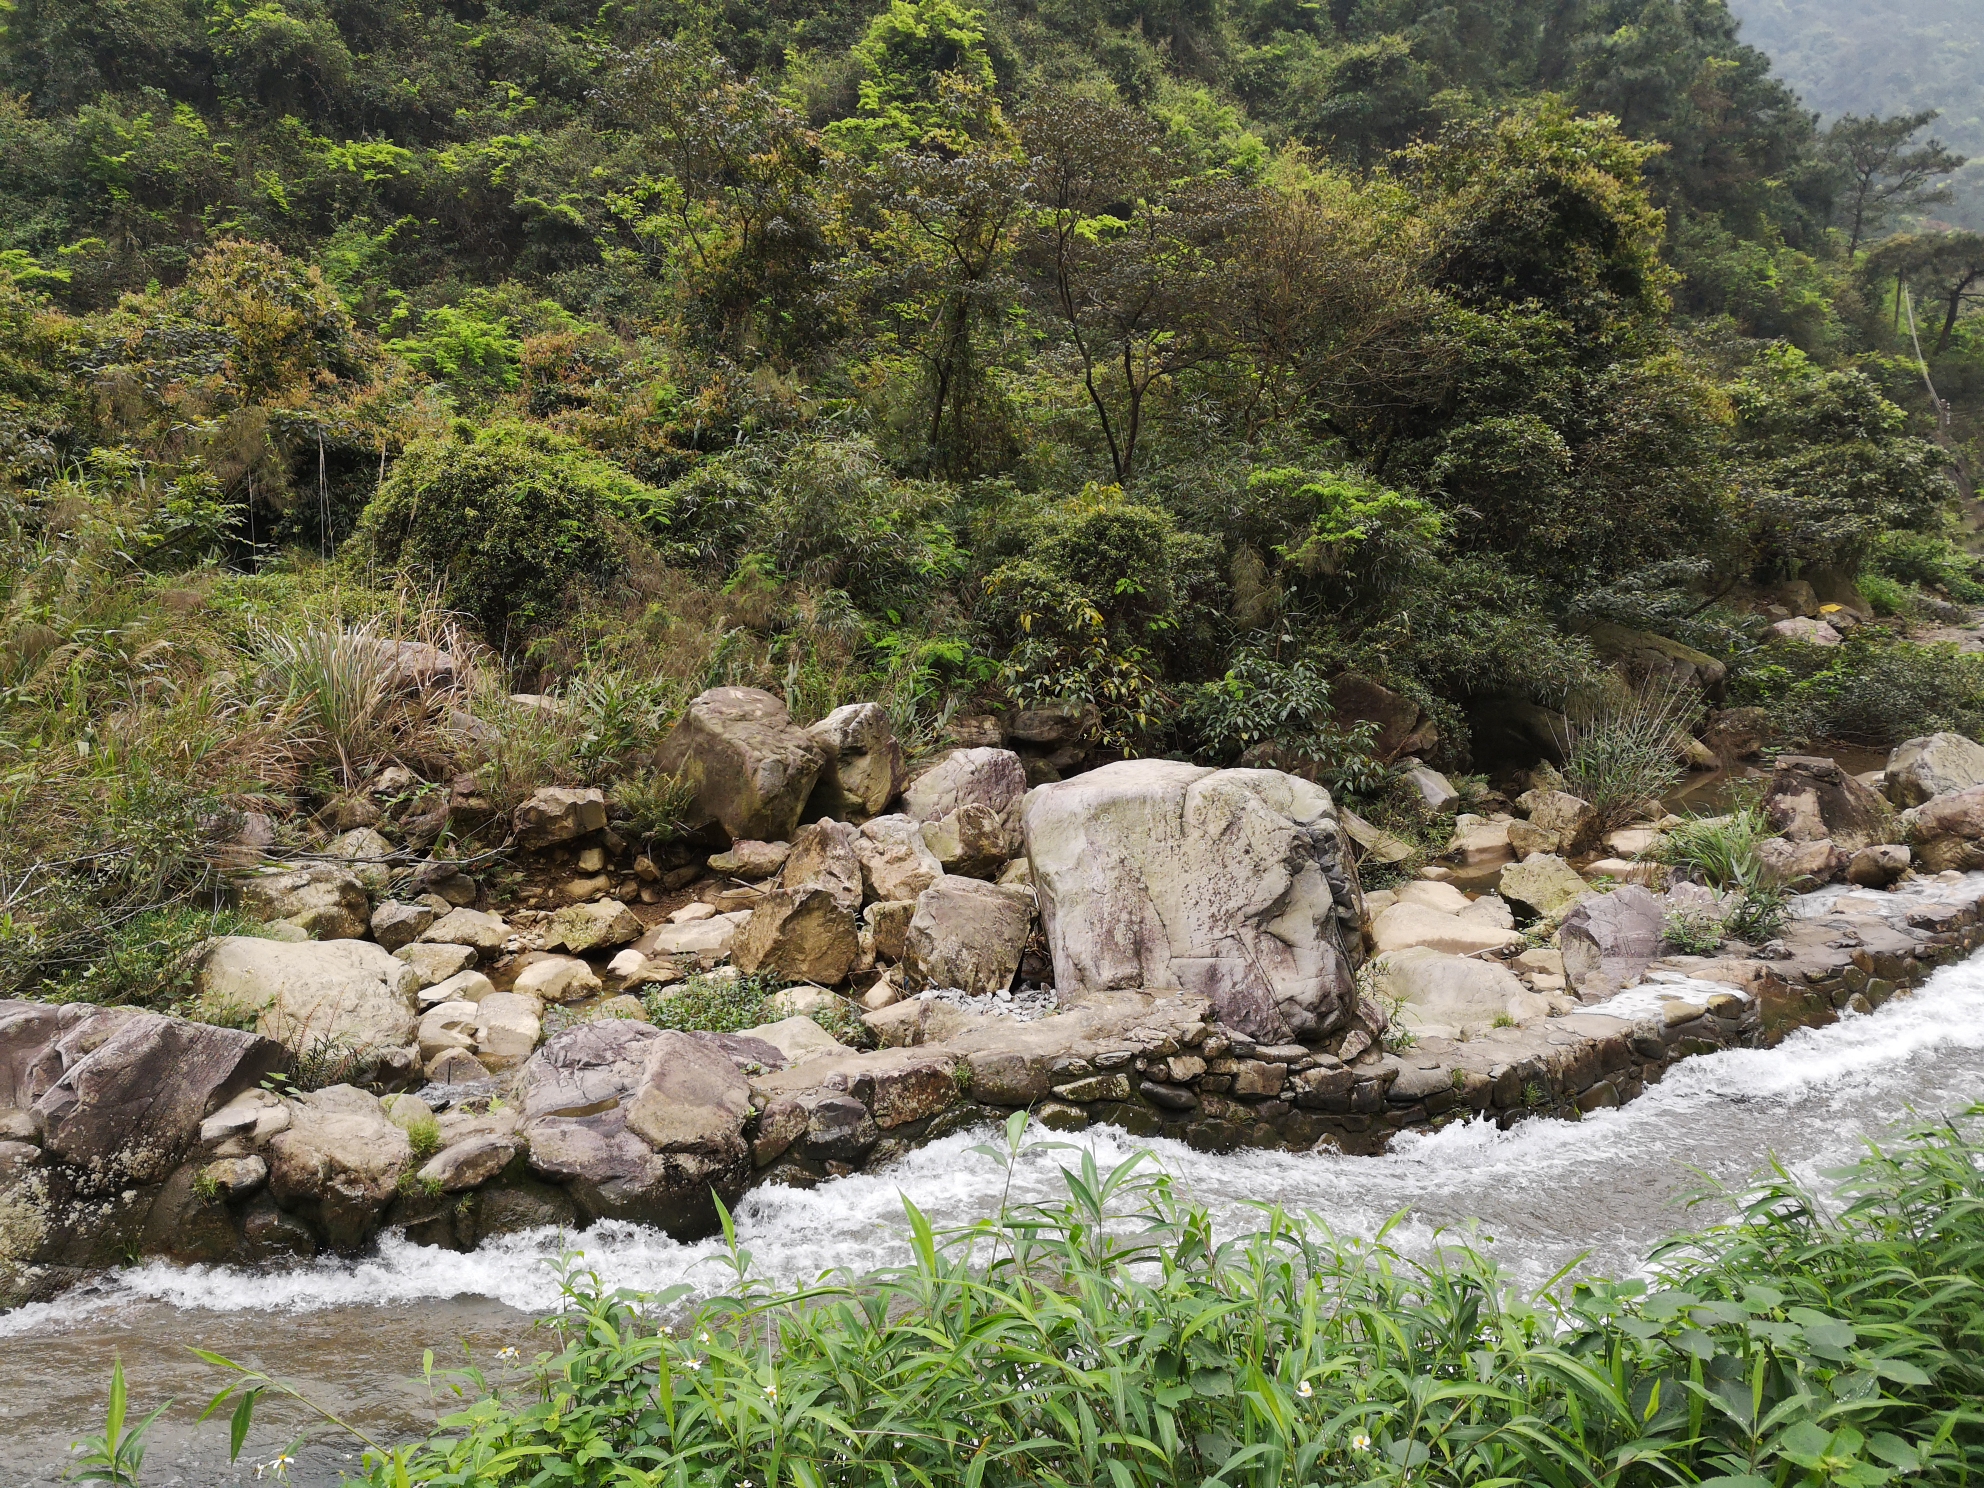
(352, 1332)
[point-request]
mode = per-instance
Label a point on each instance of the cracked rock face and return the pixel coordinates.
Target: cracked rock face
(1225, 883)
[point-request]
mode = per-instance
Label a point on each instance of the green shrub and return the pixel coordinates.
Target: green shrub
(1623, 753)
(713, 1004)
(1725, 853)
(505, 523)
(1693, 931)
(1927, 560)
(1114, 1340)
(1874, 689)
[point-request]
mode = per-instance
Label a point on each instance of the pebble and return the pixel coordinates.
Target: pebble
(1023, 1006)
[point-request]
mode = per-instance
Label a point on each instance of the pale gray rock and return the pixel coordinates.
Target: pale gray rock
(1608, 939)
(556, 813)
(895, 861)
(966, 934)
(1227, 883)
(348, 995)
(365, 855)
(324, 900)
(1934, 765)
(992, 778)
(864, 767)
(395, 925)
(751, 767)
(483, 933)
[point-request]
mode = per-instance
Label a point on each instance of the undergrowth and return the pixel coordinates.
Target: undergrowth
(1114, 1339)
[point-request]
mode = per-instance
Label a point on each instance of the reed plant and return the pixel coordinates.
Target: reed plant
(1622, 751)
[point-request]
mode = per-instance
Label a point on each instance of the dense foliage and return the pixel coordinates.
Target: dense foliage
(1114, 1338)
(1177, 363)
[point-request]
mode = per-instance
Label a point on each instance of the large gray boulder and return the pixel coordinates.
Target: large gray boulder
(316, 996)
(967, 934)
(1609, 939)
(751, 767)
(578, 1093)
(324, 900)
(1947, 831)
(1935, 765)
(993, 778)
(1228, 883)
(864, 768)
(339, 1163)
(123, 1092)
(1462, 993)
(1811, 799)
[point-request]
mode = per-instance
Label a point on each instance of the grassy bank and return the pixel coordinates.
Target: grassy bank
(1115, 1339)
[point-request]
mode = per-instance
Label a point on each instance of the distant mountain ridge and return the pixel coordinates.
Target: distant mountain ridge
(1885, 57)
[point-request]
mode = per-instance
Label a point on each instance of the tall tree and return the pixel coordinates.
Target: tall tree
(1882, 173)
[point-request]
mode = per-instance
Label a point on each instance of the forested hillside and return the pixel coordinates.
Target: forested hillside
(1903, 56)
(1176, 361)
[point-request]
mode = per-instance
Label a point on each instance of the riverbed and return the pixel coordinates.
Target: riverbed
(1546, 1194)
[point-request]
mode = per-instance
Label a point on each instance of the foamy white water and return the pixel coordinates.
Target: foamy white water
(1546, 1193)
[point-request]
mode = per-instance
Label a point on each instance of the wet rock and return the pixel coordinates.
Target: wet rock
(824, 857)
(1608, 939)
(589, 927)
(1811, 799)
(1227, 883)
(556, 813)
(992, 778)
(1878, 866)
(805, 936)
(864, 768)
(326, 902)
(1936, 765)
(236, 1177)
(751, 768)
(966, 934)
(838, 1128)
(469, 1164)
(339, 1164)
(751, 861)
(895, 861)
(348, 995)
(1008, 1077)
(1541, 886)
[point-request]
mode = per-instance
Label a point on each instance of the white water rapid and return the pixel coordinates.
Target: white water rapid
(352, 1332)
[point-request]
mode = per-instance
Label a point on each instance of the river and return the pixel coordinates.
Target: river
(352, 1333)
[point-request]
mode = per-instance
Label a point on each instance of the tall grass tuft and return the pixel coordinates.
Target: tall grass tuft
(1623, 751)
(338, 682)
(1726, 853)
(1114, 1340)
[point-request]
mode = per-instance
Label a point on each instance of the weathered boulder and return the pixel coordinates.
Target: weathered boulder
(708, 940)
(1935, 765)
(1801, 630)
(469, 1163)
(345, 995)
(339, 1163)
(751, 861)
(1228, 883)
(1541, 886)
(864, 768)
(1648, 658)
(507, 1027)
(122, 1092)
(590, 927)
(1477, 842)
(1878, 866)
(1811, 798)
(484, 933)
(1608, 939)
(992, 778)
(751, 767)
(559, 979)
(395, 925)
(971, 841)
(28, 1031)
(896, 863)
(1801, 865)
(576, 1092)
(557, 813)
(888, 921)
(1406, 925)
(798, 1038)
(799, 936)
(1737, 733)
(1559, 823)
(825, 856)
(445, 1026)
(690, 1099)
(325, 901)
(966, 934)
(435, 963)
(1403, 726)
(1463, 993)
(1433, 788)
(1947, 831)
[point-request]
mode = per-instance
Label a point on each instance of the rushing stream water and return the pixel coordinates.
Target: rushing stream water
(352, 1333)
